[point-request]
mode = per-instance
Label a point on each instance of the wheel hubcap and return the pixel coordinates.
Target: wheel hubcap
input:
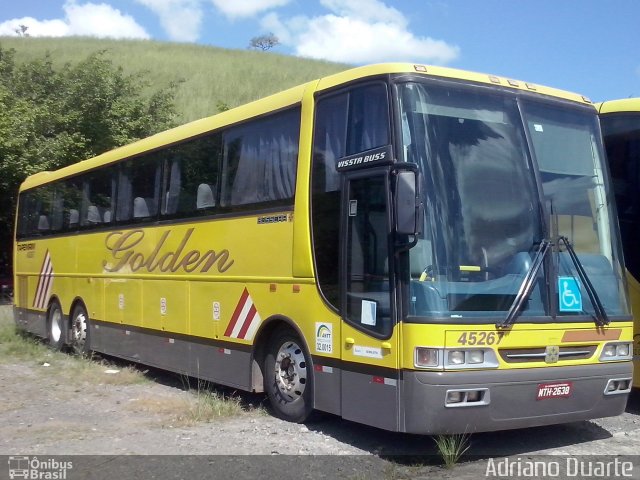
(291, 371)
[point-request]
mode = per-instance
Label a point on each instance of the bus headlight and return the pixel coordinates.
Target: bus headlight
(426, 357)
(615, 351)
(455, 357)
(475, 356)
(470, 358)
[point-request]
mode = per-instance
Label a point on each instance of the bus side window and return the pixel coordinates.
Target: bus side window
(43, 197)
(98, 198)
(328, 146)
(191, 177)
(139, 188)
(368, 118)
(260, 161)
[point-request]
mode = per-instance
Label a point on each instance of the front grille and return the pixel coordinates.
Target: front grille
(538, 354)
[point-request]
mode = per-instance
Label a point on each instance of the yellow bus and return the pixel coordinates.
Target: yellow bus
(620, 121)
(416, 248)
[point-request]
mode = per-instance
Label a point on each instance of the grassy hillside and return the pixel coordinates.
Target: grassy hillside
(208, 74)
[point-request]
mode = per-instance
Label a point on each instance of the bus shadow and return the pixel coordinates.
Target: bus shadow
(408, 449)
(401, 448)
(633, 405)
(247, 401)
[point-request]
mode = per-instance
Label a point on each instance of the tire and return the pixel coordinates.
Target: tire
(80, 332)
(56, 327)
(288, 378)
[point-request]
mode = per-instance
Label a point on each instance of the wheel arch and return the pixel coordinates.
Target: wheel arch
(75, 302)
(261, 341)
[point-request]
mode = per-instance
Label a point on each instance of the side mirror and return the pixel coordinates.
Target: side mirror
(408, 204)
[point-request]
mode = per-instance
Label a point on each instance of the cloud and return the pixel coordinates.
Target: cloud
(358, 31)
(36, 28)
(90, 19)
(246, 8)
(181, 19)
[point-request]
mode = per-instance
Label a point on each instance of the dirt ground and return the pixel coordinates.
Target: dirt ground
(45, 410)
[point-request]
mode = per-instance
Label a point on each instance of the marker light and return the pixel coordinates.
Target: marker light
(426, 357)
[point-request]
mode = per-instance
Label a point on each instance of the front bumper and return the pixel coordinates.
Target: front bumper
(511, 398)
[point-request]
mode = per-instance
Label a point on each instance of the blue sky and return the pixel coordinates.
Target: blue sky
(588, 46)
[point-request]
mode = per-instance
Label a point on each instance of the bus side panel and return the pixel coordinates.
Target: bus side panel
(361, 387)
(123, 301)
(165, 305)
(201, 358)
(222, 364)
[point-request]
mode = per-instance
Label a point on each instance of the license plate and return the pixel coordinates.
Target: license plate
(554, 390)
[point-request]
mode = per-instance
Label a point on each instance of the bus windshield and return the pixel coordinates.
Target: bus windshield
(569, 154)
(483, 221)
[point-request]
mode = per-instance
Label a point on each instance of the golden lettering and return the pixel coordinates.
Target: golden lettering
(122, 246)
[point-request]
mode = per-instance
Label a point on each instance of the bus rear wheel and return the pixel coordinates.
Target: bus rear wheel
(288, 378)
(80, 331)
(55, 326)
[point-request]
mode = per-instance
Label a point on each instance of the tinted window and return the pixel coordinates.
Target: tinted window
(368, 119)
(328, 146)
(260, 160)
(139, 189)
(192, 171)
(346, 123)
(98, 197)
(66, 205)
(622, 140)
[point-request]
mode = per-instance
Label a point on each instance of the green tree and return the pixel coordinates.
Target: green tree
(52, 117)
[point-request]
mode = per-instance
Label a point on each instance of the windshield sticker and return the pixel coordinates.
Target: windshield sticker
(368, 316)
(569, 295)
(537, 127)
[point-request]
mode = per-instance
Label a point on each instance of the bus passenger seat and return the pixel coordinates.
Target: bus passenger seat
(43, 223)
(140, 208)
(204, 197)
(74, 217)
(107, 216)
(93, 215)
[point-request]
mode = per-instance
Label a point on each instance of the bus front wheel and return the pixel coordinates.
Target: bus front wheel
(289, 377)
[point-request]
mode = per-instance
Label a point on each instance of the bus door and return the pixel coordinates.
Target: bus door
(369, 342)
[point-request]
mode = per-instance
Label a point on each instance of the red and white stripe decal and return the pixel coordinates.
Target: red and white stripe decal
(245, 319)
(385, 381)
(45, 282)
(323, 368)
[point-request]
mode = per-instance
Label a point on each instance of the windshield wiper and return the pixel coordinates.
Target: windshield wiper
(601, 315)
(527, 285)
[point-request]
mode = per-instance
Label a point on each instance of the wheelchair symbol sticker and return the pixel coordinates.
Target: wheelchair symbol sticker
(570, 298)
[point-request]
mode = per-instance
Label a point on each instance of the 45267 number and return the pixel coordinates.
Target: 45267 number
(480, 338)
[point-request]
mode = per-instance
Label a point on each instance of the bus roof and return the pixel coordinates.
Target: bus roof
(621, 105)
(281, 100)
